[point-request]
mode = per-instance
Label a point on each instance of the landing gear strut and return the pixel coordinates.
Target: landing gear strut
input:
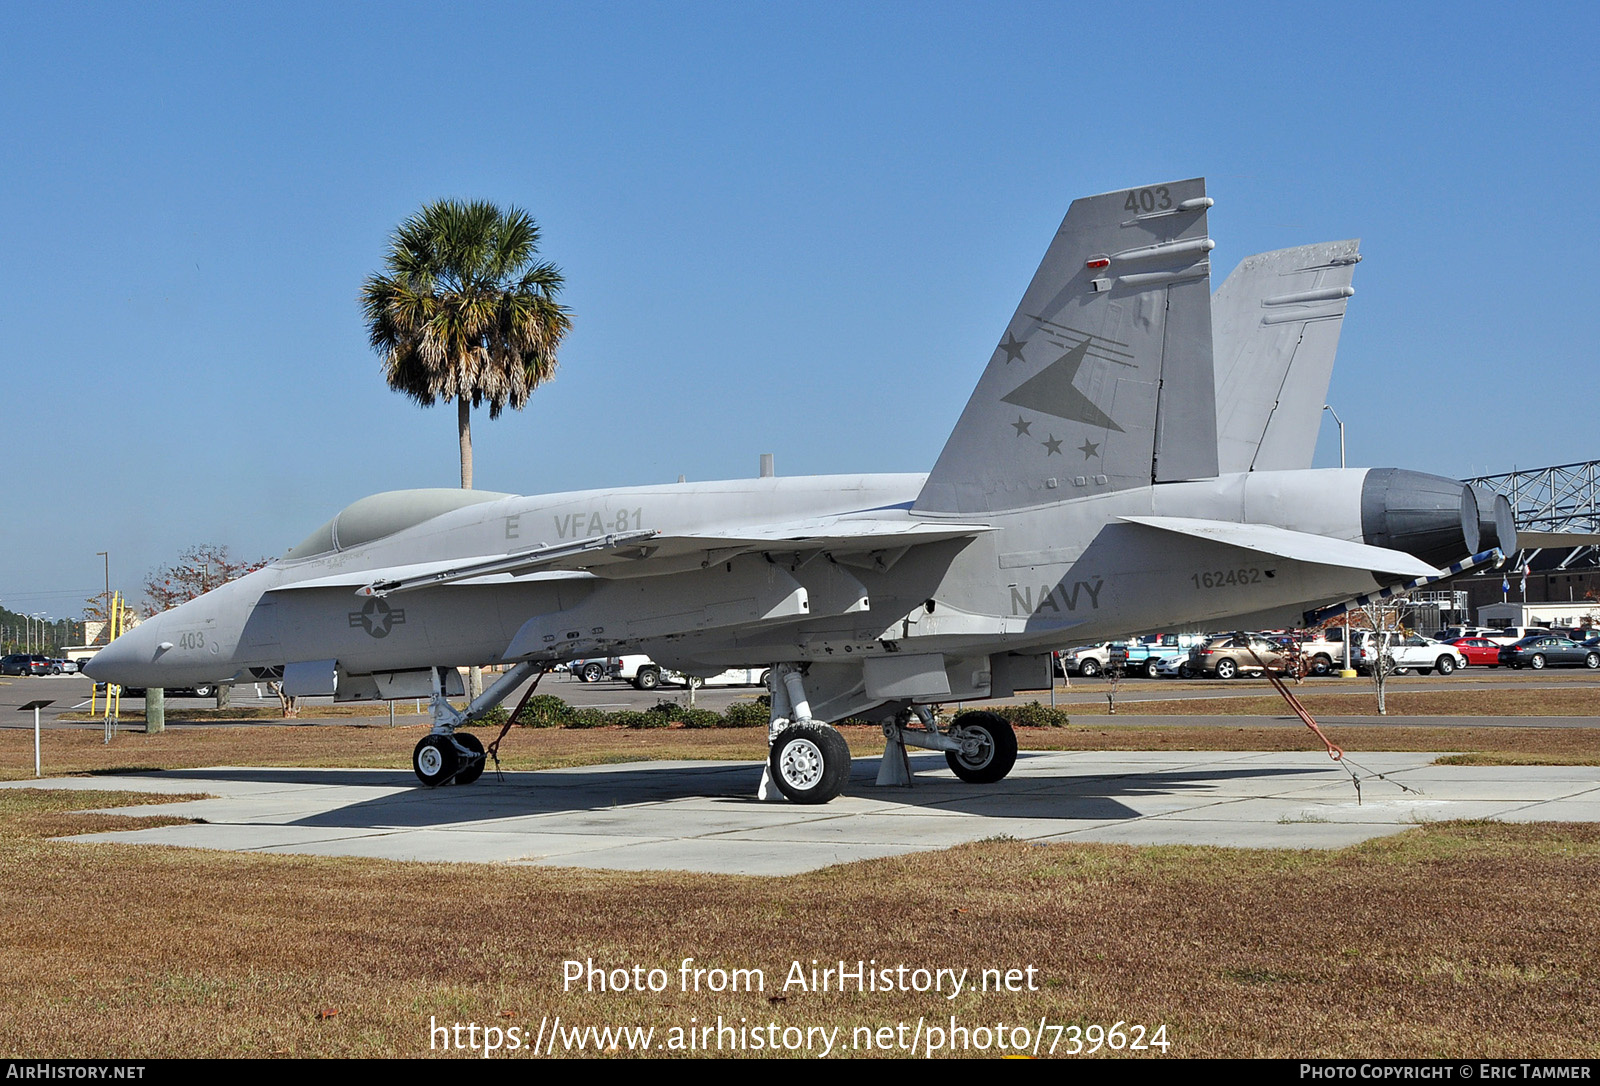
(448, 756)
(980, 747)
(807, 761)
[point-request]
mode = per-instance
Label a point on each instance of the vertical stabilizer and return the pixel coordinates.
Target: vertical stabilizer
(1103, 379)
(1276, 321)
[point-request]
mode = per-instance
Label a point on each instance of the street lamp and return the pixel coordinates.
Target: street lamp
(1340, 421)
(1349, 669)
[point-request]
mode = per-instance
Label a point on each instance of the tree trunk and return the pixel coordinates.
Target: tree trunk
(464, 427)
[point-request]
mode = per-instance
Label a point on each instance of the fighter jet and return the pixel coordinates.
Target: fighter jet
(1085, 493)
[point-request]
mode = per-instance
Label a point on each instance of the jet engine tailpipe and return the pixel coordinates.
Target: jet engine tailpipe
(1426, 516)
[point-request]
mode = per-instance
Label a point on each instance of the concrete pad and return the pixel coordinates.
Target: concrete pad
(702, 816)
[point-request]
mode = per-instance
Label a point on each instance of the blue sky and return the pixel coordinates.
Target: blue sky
(795, 229)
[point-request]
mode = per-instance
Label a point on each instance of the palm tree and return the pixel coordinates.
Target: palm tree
(466, 312)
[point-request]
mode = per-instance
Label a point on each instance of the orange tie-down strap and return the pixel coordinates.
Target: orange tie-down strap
(1335, 751)
(494, 748)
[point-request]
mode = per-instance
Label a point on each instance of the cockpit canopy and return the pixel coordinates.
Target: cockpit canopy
(378, 515)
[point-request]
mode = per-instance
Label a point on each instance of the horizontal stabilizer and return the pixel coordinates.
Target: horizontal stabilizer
(1299, 546)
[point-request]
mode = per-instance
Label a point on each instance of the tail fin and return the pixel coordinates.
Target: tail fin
(1103, 379)
(1277, 321)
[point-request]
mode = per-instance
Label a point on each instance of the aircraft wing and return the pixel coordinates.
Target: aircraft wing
(649, 551)
(1298, 546)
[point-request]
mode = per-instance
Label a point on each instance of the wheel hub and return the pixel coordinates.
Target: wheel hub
(977, 747)
(801, 764)
(430, 760)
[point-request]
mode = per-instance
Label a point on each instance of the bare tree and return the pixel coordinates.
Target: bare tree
(197, 571)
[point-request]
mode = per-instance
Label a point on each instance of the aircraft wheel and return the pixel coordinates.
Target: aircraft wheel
(1226, 668)
(1089, 669)
(1537, 661)
(648, 678)
(988, 748)
(472, 767)
(435, 760)
(1444, 665)
(810, 762)
(592, 672)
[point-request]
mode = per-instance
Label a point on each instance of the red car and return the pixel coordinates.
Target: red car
(1479, 651)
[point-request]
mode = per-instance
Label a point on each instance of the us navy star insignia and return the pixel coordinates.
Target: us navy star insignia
(1052, 446)
(1089, 448)
(377, 617)
(1013, 348)
(1020, 426)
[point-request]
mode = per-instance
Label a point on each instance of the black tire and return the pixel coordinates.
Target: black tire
(1089, 668)
(592, 672)
(766, 679)
(648, 678)
(1185, 671)
(1445, 665)
(1321, 665)
(1227, 669)
(1536, 661)
(1150, 671)
(810, 762)
(996, 749)
(205, 690)
(1592, 661)
(435, 760)
(472, 765)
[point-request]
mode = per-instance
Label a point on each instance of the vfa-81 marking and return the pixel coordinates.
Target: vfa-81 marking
(1095, 483)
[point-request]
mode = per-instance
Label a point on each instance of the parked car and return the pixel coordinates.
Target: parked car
(733, 676)
(1479, 651)
(1545, 650)
(1422, 654)
(1232, 655)
(1086, 660)
(200, 690)
(28, 664)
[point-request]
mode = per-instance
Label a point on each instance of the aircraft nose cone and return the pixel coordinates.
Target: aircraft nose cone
(120, 662)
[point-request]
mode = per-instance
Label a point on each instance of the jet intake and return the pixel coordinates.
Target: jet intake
(1426, 516)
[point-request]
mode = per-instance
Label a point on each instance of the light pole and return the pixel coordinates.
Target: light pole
(1349, 672)
(1340, 421)
(107, 556)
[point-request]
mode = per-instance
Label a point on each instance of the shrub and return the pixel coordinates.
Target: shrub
(747, 714)
(545, 711)
(1033, 715)
(628, 718)
(698, 718)
(588, 718)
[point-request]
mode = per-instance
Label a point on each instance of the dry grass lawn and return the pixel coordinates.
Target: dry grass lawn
(81, 750)
(1449, 940)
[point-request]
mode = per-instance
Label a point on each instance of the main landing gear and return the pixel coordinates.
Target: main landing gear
(809, 762)
(448, 756)
(979, 747)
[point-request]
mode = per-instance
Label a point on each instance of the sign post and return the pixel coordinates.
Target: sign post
(36, 706)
